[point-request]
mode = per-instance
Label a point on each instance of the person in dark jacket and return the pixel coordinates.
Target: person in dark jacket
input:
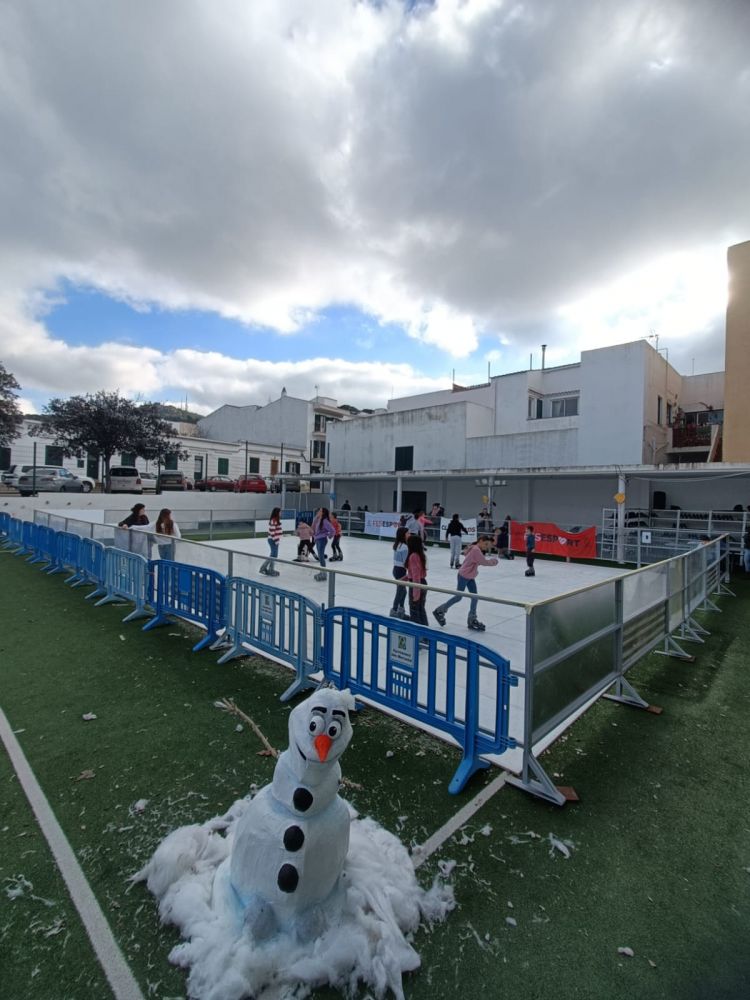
(137, 516)
(530, 540)
(453, 533)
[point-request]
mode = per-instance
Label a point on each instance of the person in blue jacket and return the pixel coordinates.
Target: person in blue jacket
(530, 539)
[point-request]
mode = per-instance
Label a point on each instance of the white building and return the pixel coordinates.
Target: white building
(296, 430)
(617, 406)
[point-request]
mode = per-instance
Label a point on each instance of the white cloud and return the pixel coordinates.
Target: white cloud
(458, 169)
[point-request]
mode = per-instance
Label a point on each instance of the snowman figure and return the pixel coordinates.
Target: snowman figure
(290, 845)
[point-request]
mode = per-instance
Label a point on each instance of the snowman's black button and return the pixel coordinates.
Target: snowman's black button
(294, 838)
(288, 878)
(302, 799)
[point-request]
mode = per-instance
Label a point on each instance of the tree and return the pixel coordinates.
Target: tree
(105, 423)
(10, 414)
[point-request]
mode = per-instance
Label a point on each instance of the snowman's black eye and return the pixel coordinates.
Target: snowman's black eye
(333, 730)
(317, 724)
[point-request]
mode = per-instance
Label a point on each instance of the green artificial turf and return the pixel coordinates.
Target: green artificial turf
(659, 844)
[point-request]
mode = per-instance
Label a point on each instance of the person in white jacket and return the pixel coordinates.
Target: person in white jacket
(166, 529)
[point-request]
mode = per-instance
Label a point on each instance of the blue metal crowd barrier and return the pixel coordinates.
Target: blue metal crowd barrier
(4, 525)
(29, 540)
(90, 567)
(285, 625)
(190, 592)
(378, 658)
(125, 578)
(67, 547)
(15, 534)
(42, 544)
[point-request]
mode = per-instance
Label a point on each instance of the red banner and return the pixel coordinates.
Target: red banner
(551, 540)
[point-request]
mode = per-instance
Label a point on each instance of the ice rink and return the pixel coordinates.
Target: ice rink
(363, 580)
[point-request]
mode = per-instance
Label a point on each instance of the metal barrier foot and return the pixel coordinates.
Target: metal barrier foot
(137, 613)
(468, 767)
(206, 641)
(156, 621)
(538, 784)
(626, 694)
(673, 648)
(299, 685)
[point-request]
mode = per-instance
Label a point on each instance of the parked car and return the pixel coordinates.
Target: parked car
(251, 484)
(125, 479)
(148, 480)
(12, 474)
(291, 486)
(51, 479)
(174, 480)
(214, 483)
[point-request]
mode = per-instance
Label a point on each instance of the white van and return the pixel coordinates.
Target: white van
(125, 479)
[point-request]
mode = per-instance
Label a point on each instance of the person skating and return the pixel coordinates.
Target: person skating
(502, 539)
(416, 572)
(322, 530)
(306, 547)
(336, 554)
(400, 554)
(453, 533)
(274, 537)
(467, 576)
(530, 540)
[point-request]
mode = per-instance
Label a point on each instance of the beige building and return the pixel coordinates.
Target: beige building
(737, 362)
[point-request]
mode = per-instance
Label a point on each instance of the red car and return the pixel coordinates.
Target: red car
(214, 483)
(250, 484)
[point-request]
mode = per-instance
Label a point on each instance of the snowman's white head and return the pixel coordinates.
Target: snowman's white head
(319, 728)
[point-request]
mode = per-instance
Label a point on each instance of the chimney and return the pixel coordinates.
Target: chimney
(544, 351)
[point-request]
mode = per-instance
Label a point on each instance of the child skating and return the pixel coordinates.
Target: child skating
(467, 576)
(530, 540)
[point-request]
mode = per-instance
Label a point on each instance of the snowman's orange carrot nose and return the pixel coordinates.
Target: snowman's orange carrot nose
(322, 745)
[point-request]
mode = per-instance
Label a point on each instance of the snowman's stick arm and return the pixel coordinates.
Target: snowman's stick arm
(229, 706)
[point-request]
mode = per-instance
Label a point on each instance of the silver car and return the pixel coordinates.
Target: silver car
(51, 479)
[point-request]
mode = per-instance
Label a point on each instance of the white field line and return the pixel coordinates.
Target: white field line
(422, 852)
(110, 957)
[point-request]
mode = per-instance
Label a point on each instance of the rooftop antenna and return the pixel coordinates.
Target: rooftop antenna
(531, 362)
(544, 351)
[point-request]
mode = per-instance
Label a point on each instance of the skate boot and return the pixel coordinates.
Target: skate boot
(263, 570)
(320, 576)
(529, 572)
(272, 572)
(439, 616)
(476, 625)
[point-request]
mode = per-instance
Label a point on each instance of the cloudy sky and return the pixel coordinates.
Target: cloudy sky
(213, 199)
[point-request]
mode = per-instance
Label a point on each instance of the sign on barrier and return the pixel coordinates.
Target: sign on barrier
(125, 576)
(274, 621)
(384, 661)
(190, 592)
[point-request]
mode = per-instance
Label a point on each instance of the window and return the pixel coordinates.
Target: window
(53, 455)
(222, 467)
(127, 458)
(658, 409)
(565, 407)
(669, 414)
(170, 463)
(535, 408)
(4, 458)
(318, 449)
(292, 467)
(320, 423)
(253, 465)
(79, 463)
(404, 460)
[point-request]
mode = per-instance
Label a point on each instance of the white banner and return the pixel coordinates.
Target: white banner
(383, 525)
(470, 523)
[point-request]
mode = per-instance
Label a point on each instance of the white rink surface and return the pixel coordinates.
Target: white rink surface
(357, 586)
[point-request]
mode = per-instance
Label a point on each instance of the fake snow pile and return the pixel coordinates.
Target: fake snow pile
(257, 927)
